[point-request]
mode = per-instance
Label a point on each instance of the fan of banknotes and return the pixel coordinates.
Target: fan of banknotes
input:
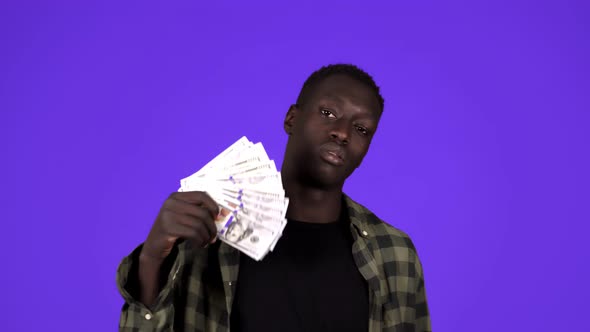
(246, 185)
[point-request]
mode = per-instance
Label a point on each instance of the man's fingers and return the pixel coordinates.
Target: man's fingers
(198, 198)
(198, 212)
(200, 220)
(183, 207)
(187, 227)
(201, 216)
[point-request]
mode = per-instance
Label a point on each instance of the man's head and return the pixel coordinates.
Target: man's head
(331, 126)
(349, 70)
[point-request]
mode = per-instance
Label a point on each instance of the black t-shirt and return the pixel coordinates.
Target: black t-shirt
(310, 282)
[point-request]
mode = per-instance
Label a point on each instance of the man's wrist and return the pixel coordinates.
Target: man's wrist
(152, 260)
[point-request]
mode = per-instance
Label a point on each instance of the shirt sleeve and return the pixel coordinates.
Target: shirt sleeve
(422, 316)
(135, 316)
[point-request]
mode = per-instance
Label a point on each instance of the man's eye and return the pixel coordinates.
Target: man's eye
(362, 130)
(327, 113)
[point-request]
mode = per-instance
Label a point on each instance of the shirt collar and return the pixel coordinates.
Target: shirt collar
(358, 216)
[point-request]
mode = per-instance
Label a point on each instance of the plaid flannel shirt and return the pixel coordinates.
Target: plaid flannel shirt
(199, 290)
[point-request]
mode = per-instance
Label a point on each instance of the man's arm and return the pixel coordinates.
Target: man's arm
(422, 315)
(421, 307)
(146, 278)
(158, 316)
(151, 272)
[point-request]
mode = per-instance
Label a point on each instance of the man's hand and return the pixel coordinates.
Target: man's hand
(185, 215)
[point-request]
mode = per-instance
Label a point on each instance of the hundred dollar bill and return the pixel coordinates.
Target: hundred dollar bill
(248, 189)
(249, 237)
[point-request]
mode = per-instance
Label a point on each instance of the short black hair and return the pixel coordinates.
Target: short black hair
(349, 70)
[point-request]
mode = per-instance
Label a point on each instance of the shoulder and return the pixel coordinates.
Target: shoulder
(392, 243)
(379, 227)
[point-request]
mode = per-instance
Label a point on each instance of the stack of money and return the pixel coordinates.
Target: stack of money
(246, 185)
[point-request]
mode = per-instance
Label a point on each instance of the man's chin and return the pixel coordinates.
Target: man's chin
(328, 178)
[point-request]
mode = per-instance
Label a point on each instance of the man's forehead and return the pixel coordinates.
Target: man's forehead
(340, 81)
(342, 88)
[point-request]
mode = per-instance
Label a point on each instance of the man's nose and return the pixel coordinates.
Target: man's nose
(340, 131)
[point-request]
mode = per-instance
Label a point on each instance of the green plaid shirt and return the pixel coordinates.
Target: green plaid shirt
(200, 287)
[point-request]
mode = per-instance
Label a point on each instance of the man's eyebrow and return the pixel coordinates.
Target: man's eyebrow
(339, 100)
(330, 97)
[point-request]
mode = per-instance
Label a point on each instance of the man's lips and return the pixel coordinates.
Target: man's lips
(332, 153)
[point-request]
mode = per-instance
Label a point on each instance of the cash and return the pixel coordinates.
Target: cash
(245, 184)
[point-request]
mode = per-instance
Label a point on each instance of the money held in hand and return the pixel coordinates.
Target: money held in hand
(246, 185)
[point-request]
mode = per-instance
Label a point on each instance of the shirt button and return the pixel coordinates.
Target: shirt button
(365, 233)
(148, 316)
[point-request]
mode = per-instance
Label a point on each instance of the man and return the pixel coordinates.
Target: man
(337, 266)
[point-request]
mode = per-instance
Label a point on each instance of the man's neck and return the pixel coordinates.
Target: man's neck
(313, 205)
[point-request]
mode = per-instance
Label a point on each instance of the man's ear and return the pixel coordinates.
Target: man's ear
(290, 119)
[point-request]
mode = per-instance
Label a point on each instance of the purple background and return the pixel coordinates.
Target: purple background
(481, 155)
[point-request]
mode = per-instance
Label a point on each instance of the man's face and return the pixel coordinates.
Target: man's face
(330, 134)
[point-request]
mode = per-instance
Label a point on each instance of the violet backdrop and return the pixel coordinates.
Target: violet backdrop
(482, 154)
